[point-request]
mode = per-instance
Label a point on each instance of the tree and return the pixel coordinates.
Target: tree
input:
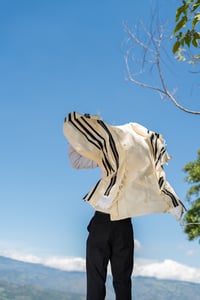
(185, 31)
(192, 217)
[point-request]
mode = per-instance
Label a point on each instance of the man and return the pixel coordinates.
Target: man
(107, 241)
(133, 183)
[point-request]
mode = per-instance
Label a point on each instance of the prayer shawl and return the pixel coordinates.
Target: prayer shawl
(131, 158)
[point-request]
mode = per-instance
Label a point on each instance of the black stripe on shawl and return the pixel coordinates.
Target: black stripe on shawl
(115, 154)
(154, 143)
(90, 137)
(88, 132)
(112, 183)
(161, 181)
(173, 198)
(85, 131)
(103, 146)
(154, 139)
(111, 141)
(96, 132)
(74, 121)
(162, 152)
(183, 205)
(88, 196)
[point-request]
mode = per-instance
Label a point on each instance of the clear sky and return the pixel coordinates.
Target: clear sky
(60, 56)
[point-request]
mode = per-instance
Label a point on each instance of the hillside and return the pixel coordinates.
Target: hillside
(26, 281)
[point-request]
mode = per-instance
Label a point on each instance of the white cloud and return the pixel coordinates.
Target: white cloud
(167, 269)
(58, 262)
(66, 263)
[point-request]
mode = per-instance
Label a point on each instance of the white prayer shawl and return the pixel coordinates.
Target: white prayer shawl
(131, 158)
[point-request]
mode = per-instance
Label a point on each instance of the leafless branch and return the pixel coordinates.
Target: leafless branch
(150, 51)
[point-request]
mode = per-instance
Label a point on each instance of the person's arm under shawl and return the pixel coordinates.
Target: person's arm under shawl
(78, 161)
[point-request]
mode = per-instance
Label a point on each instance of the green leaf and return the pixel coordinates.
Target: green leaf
(178, 13)
(182, 42)
(197, 35)
(181, 10)
(197, 16)
(195, 6)
(188, 40)
(176, 46)
(195, 43)
(195, 21)
(180, 24)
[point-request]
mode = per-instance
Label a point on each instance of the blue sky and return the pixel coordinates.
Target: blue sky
(61, 56)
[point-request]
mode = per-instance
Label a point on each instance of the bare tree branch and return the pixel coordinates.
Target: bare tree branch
(150, 51)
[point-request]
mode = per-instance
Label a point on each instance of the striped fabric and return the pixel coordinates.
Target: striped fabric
(131, 159)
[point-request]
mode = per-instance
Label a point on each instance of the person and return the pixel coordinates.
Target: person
(133, 183)
(108, 241)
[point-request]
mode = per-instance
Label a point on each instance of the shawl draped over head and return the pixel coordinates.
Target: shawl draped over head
(131, 158)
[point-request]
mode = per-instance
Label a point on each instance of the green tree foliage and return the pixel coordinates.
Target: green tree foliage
(192, 217)
(186, 30)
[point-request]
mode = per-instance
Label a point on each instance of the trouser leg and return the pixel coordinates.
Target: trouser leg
(122, 258)
(97, 257)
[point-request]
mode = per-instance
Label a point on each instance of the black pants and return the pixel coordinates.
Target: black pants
(109, 241)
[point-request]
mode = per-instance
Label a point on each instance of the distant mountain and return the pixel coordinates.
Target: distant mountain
(27, 281)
